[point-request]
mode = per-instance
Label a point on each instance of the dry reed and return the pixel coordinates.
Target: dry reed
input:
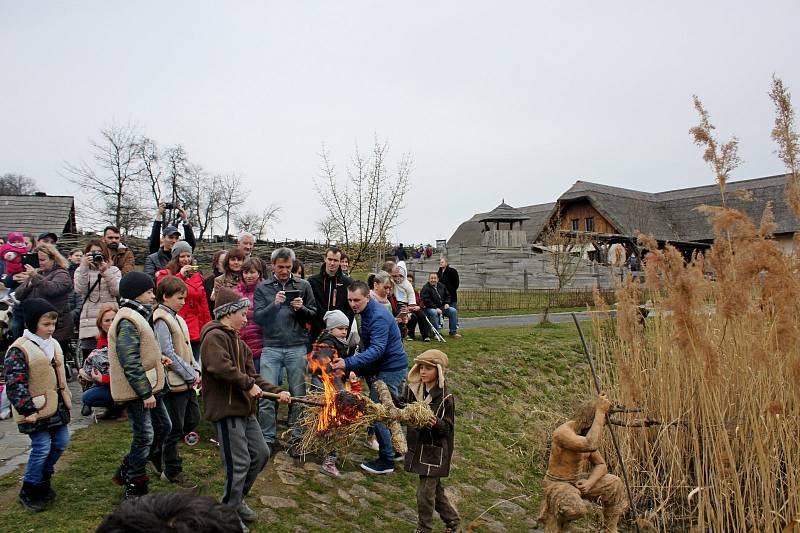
(721, 356)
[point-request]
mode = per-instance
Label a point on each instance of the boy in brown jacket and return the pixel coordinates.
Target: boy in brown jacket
(231, 388)
(430, 448)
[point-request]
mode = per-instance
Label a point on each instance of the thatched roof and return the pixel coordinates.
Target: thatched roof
(504, 213)
(469, 233)
(37, 214)
(668, 215)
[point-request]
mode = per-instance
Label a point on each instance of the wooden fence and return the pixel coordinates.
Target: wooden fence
(503, 299)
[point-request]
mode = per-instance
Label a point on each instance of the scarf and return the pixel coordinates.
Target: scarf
(143, 309)
(48, 346)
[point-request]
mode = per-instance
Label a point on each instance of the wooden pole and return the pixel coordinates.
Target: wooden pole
(274, 396)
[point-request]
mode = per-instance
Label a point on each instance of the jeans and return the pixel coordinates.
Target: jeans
(149, 428)
(436, 319)
(393, 380)
(98, 396)
(273, 361)
(184, 414)
(47, 446)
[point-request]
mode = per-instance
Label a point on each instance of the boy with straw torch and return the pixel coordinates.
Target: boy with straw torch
(231, 389)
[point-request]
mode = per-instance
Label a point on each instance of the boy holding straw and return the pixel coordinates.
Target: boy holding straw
(430, 448)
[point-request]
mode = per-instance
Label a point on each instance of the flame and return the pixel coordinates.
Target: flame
(341, 406)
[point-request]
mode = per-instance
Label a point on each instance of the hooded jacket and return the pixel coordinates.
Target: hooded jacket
(430, 449)
(282, 326)
(195, 311)
(228, 374)
(330, 292)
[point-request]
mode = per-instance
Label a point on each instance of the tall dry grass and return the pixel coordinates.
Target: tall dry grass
(718, 365)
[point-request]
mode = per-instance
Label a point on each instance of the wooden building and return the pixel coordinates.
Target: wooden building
(37, 214)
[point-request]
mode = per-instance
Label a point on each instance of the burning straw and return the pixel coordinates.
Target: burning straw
(342, 417)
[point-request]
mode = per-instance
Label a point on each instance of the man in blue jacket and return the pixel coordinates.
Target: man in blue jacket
(282, 306)
(383, 358)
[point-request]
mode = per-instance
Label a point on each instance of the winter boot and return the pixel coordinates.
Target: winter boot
(30, 497)
(121, 474)
(136, 487)
(48, 494)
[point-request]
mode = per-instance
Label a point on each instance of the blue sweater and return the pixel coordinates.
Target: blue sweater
(383, 347)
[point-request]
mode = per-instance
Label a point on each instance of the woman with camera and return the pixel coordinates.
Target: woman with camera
(97, 281)
(195, 310)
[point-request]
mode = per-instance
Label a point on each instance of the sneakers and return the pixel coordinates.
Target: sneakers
(426, 339)
(328, 467)
(456, 335)
(180, 480)
(246, 514)
(378, 466)
(372, 443)
(409, 338)
(30, 496)
(398, 457)
(86, 410)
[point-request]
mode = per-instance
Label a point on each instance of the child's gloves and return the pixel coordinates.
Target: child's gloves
(10, 256)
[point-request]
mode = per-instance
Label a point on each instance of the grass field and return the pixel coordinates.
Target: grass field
(512, 385)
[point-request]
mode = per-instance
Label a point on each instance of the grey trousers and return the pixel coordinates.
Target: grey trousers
(430, 497)
(244, 454)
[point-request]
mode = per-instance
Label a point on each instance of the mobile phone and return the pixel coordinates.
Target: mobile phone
(31, 259)
(291, 295)
(194, 268)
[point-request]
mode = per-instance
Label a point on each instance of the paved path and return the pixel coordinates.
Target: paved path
(519, 320)
(14, 446)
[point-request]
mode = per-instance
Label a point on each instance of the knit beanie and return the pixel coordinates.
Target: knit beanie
(181, 247)
(15, 236)
(335, 319)
(32, 311)
(135, 284)
(229, 301)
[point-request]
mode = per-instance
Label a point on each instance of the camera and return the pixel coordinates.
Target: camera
(97, 257)
(169, 205)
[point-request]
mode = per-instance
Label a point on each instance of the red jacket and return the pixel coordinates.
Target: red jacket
(251, 333)
(195, 311)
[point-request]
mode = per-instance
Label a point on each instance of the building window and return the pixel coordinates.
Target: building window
(576, 224)
(589, 223)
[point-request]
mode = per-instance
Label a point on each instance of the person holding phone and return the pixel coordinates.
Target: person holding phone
(283, 305)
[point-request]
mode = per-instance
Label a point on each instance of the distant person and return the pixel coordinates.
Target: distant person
(298, 270)
(74, 258)
(246, 242)
(330, 290)
(437, 298)
(155, 240)
(158, 260)
(48, 237)
(121, 255)
(400, 253)
(633, 263)
(449, 276)
(344, 264)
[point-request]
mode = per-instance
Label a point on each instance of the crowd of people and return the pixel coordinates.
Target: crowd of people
(148, 341)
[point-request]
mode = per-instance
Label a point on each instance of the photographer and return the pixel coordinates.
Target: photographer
(188, 234)
(97, 281)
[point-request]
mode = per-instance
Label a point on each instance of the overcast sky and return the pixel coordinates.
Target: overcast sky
(513, 100)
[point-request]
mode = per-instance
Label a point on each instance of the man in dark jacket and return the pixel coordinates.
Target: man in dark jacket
(383, 357)
(449, 276)
(330, 291)
(282, 306)
(436, 298)
(400, 253)
(231, 388)
(188, 234)
(159, 259)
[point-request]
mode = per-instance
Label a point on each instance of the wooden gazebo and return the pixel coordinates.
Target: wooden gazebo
(501, 237)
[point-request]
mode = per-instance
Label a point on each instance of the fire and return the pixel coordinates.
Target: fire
(341, 406)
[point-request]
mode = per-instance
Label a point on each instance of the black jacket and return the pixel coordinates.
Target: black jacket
(449, 276)
(330, 292)
(430, 449)
(155, 236)
(435, 297)
(155, 262)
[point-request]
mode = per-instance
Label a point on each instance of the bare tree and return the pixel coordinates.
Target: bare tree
(565, 258)
(152, 169)
(257, 223)
(17, 184)
(328, 228)
(112, 178)
(177, 163)
(203, 195)
(232, 195)
(366, 207)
